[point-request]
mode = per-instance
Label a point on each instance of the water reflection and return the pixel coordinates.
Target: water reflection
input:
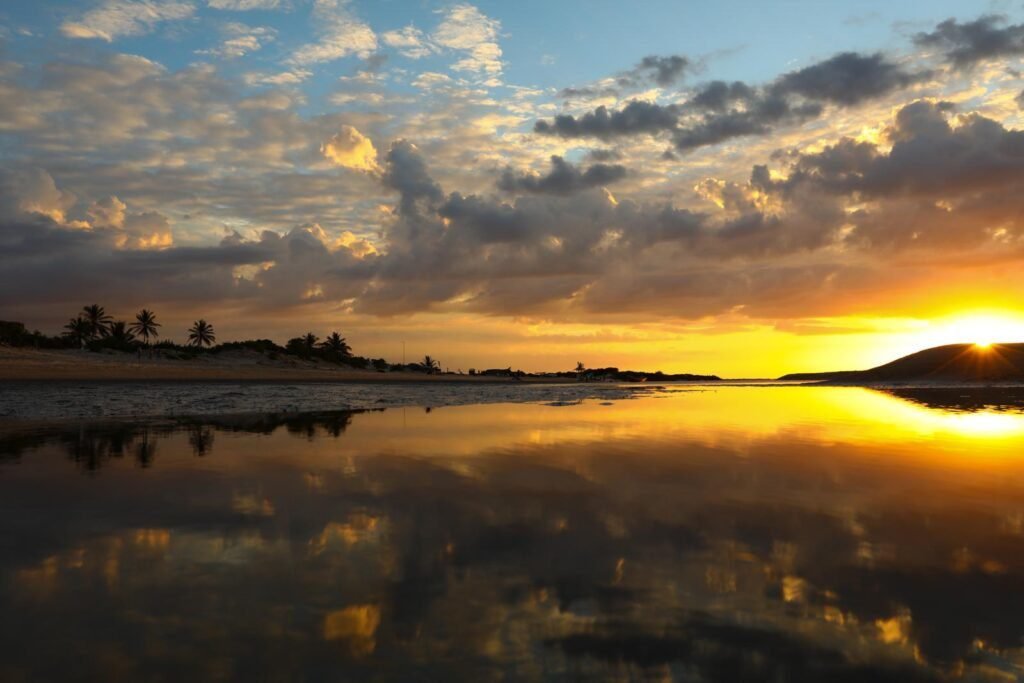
(745, 534)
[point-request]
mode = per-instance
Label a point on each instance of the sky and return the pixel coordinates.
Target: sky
(745, 189)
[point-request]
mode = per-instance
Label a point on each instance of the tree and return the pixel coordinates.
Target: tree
(336, 345)
(309, 340)
(580, 368)
(201, 334)
(99, 321)
(119, 334)
(79, 331)
(145, 325)
(431, 365)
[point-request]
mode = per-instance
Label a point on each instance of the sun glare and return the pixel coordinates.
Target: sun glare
(982, 330)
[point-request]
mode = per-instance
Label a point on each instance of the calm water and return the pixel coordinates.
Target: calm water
(740, 534)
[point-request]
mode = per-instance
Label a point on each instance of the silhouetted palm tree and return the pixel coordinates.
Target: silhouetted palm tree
(78, 330)
(145, 325)
(336, 345)
(99, 321)
(120, 334)
(430, 364)
(310, 339)
(580, 367)
(201, 334)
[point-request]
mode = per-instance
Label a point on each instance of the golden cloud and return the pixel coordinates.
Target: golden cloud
(351, 149)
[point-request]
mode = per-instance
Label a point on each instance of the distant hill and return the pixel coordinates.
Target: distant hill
(952, 363)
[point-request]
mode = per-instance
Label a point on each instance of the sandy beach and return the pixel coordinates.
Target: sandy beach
(19, 364)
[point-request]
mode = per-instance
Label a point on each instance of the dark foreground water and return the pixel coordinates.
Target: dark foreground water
(741, 534)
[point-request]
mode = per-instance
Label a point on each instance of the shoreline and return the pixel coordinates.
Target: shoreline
(46, 366)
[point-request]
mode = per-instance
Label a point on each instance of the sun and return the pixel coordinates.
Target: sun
(983, 330)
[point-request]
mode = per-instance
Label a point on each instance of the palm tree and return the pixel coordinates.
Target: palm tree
(99, 321)
(201, 334)
(78, 330)
(336, 345)
(580, 368)
(120, 334)
(145, 325)
(430, 364)
(309, 340)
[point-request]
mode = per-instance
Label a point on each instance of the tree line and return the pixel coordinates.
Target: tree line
(95, 329)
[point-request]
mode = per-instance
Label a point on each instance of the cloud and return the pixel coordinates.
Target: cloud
(341, 34)
(290, 77)
(847, 79)
(241, 40)
(409, 41)
(663, 71)
(32, 192)
(351, 149)
(563, 179)
(115, 18)
(637, 117)
(967, 43)
(466, 29)
(720, 111)
(244, 5)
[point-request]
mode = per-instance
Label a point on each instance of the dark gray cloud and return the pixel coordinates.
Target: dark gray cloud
(563, 179)
(967, 43)
(720, 111)
(635, 118)
(847, 79)
(663, 71)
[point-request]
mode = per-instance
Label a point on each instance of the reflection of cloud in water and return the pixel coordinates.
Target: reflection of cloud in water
(724, 536)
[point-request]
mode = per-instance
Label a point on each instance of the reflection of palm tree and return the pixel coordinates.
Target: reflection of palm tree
(99, 321)
(201, 440)
(78, 330)
(201, 334)
(145, 451)
(336, 345)
(145, 325)
(431, 364)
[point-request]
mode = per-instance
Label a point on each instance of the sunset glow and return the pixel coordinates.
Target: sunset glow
(498, 190)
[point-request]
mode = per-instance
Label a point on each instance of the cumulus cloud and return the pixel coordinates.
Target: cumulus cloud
(115, 18)
(967, 43)
(663, 70)
(720, 111)
(563, 179)
(342, 34)
(351, 149)
(240, 40)
(636, 118)
(466, 29)
(409, 41)
(244, 5)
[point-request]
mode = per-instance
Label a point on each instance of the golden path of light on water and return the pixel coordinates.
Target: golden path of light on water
(722, 416)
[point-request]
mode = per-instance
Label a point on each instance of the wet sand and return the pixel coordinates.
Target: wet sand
(82, 366)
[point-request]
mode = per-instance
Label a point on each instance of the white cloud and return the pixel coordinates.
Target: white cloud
(243, 5)
(116, 18)
(291, 77)
(241, 40)
(341, 34)
(409, 41)
(465, 28)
